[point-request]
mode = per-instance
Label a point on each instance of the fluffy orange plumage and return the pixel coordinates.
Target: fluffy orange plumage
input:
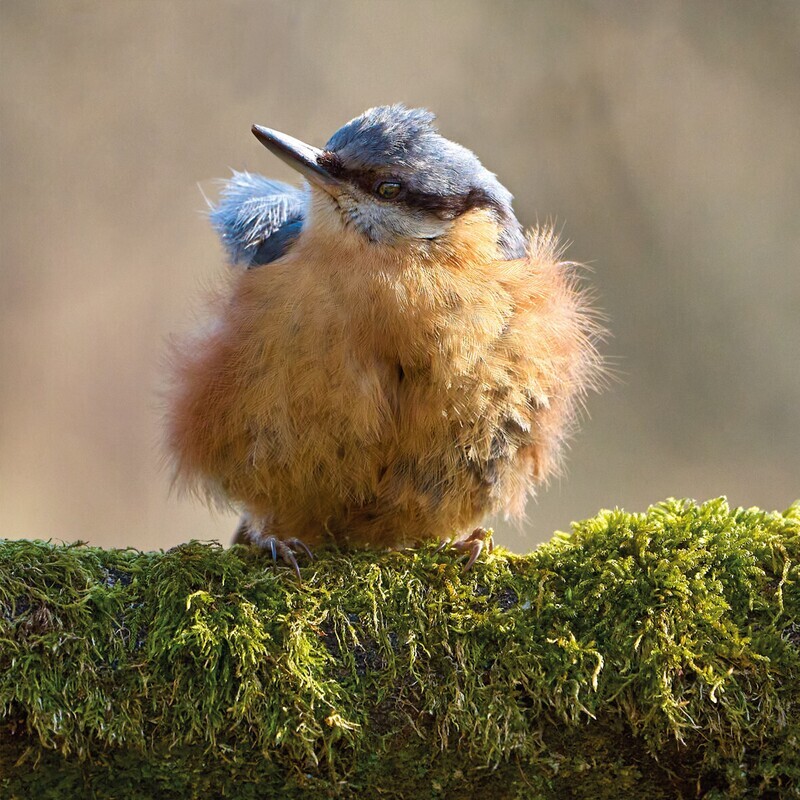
(383, 394)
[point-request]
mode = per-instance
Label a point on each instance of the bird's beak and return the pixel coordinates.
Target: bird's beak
(300, 156)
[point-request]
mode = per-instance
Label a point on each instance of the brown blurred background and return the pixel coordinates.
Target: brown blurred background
(663, 137)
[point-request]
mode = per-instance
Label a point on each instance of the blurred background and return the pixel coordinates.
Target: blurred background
(664, 139)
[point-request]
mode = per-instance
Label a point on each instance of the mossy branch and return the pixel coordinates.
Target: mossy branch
(647, 655)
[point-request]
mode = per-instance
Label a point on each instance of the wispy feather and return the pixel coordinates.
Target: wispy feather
(258, 218)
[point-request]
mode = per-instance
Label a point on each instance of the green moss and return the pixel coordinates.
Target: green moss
(647, 655)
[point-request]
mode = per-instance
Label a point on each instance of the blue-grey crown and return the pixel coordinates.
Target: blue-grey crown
(405, 142)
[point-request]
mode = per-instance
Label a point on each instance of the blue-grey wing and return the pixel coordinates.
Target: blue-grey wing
(257, 218)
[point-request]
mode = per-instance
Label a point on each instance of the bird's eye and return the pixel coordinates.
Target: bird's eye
(388, 190)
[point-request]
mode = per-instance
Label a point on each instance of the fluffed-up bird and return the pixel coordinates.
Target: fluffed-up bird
(392, 360)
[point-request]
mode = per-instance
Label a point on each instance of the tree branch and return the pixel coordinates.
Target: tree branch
(648, 656)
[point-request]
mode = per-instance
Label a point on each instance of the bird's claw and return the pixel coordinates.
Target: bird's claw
(283, 549)
(474, 544)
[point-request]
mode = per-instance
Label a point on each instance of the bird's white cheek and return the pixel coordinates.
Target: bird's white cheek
(417, 224)
(324, 211)
(384, 222)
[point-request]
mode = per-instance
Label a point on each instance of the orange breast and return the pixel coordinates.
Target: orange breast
(383, 395)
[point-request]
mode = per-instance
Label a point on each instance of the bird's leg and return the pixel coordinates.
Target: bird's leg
(474, 544)
(256, 533)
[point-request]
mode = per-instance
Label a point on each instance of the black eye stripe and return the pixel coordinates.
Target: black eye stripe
(331, 163)
(446, 206)
(449, 206)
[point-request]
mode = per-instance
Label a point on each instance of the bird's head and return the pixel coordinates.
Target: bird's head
(392, 177)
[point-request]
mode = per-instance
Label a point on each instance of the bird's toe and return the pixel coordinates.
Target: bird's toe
(479, 540)
(285, 550)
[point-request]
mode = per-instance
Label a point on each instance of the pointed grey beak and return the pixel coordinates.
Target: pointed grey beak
(300, 156)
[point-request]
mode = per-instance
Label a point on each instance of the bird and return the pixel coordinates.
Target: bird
(390, 359)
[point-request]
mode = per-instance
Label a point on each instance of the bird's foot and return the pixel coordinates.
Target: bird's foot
(474, 544)
(284, 549)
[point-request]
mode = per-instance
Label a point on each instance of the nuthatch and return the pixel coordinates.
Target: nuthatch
(394, 361)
